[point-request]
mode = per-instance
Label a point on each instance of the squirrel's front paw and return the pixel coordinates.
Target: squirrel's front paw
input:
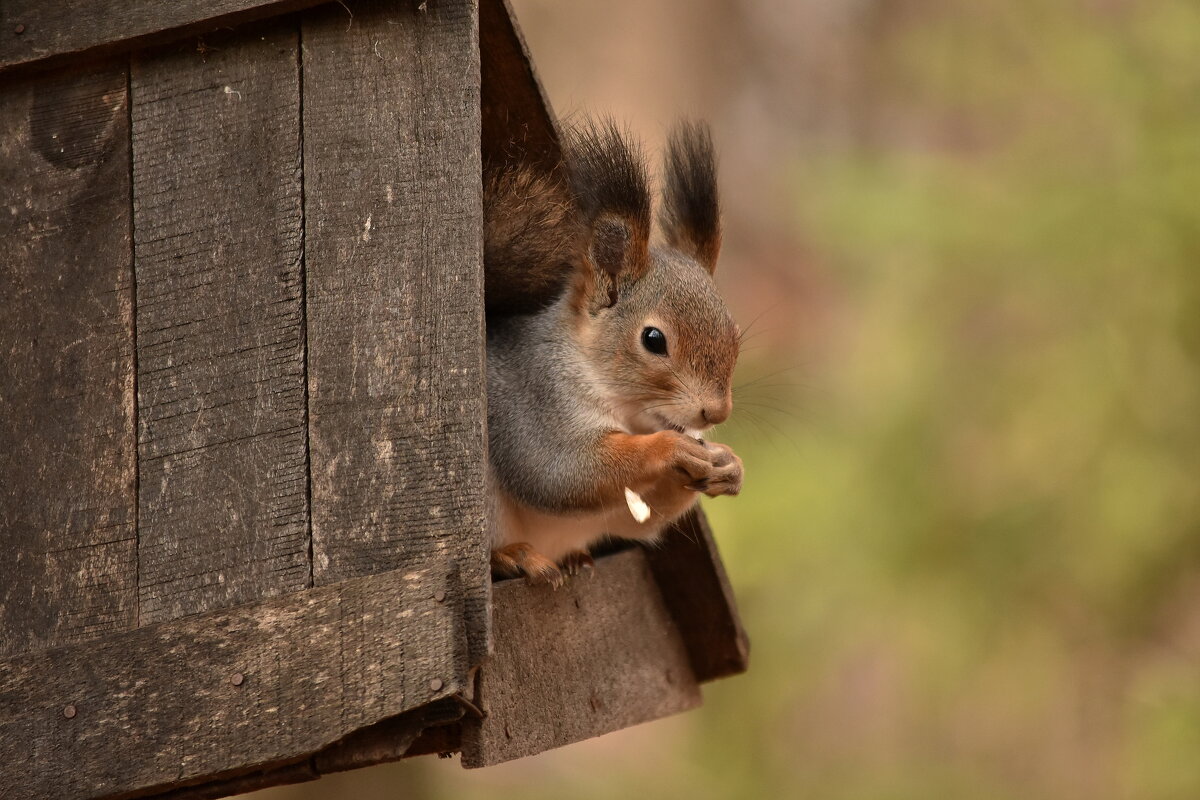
(705, 466)
(724, 475)
(690, 458)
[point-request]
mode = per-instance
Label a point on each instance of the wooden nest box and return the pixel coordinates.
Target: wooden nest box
(242, 411)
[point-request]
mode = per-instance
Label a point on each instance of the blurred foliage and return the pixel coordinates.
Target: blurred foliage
(968, 552)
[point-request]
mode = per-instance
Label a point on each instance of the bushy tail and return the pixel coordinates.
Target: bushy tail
(532, 239)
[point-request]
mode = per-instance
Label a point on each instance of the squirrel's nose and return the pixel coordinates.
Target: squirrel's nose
(716, 413)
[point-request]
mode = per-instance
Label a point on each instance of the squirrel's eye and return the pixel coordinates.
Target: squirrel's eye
(655, 341)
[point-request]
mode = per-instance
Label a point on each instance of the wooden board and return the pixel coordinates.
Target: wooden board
(696, 590)
(389, 740)
(600, 654)
(393, 214)
(233, 691)
(76, 28)
(221, 392)
(67, 498)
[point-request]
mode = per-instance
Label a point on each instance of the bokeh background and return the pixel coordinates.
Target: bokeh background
(965, 235)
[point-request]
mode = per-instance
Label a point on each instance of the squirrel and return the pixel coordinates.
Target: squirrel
(607, 356)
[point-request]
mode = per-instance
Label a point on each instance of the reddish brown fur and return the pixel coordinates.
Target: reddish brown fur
(641, 461)
(518, 559)
(533, 238)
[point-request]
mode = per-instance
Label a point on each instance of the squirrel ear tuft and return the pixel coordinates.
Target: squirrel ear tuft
(608, 178)
(691, 213)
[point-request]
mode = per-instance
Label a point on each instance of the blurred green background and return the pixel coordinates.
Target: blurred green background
(967, 236)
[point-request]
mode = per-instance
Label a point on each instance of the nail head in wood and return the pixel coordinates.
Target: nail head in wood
(19, 30)
(436, 684)
(440, 596)
(237, 679)
(70, 711)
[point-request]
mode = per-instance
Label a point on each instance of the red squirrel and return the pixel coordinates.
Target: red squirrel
(606, 384)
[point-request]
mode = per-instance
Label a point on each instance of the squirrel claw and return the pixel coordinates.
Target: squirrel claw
(726, 475)
(546, 576)
(578, 561)
(519, 558)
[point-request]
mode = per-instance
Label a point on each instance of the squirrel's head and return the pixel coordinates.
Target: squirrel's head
(656, 337)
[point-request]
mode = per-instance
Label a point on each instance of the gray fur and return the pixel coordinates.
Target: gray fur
(549, 393)
(541, 448)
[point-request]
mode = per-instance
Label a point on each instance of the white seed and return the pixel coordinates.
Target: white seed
(637, 506)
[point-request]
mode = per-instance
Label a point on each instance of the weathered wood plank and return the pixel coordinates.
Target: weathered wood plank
(284, 775)
(516, 119)
(221, 393)
(389, 740)
(227, 692)
(598, 655)
(696, 590)
(72, 28)
(394, 300)
(67, 500)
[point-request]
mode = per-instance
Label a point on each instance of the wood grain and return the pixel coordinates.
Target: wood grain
(696, 590)
(77, 28)
(67, 500)
(393, 214)
(600, 654)
(283, 775)
(234, 691)
(389, 740)
(221, 392)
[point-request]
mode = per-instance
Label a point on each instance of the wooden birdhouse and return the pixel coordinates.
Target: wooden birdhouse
(242, 411)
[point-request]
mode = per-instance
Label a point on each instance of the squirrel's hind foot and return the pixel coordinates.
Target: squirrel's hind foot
(578, 561)
(519, 558)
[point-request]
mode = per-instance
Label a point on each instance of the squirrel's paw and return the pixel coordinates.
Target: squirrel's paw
(519, 558)
(576, 562)
(724, 475)
(690, 458)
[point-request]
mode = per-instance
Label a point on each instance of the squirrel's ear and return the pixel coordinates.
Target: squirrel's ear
(691, 213)
(608, 179)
